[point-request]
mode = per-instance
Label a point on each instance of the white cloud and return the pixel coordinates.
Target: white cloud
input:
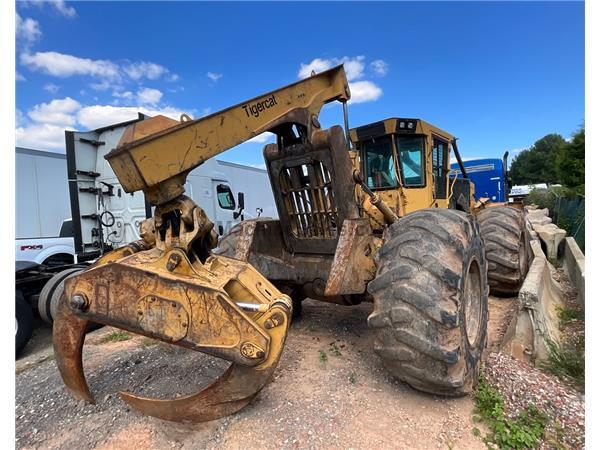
(214, 76)
(103, 85)
(57, 112)
(59, 6)
(316, 65)
(20, 119)
(149, 96)
(52, 88)
(62, 8)
(46, 122)
(27, 30)
(364, 91)
(380, 67)
(354, 66)
(206, 111)
(96, 116)
(19, 76)
(62, 65)
(42, 136)
(127, 95)
(144, 69)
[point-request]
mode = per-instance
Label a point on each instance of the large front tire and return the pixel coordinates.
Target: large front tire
(430, 301)
(503, 231)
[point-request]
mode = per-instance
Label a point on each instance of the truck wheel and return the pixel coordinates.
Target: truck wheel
(503, 231)
(431, 301)
(23, 322)
(60, 289)
(45, 298)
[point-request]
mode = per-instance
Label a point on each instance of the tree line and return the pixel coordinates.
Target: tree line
(554, 160)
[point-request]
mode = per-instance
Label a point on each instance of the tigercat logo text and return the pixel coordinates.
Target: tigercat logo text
(258, 107)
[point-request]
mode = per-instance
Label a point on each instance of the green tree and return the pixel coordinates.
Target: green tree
(570, 163)
(538, 163)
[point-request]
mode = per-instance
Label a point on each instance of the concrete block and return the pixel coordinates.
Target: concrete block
(534, 212)
(539, 220)
(552, 237)
(539, 298)
(574, 262)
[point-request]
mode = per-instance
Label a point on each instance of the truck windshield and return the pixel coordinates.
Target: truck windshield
(379, 163)
(410, 157)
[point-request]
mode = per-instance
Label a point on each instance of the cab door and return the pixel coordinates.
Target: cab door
(440, 168)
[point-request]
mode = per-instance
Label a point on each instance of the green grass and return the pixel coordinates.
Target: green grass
(567, 315)
(525, 431)
(322, 356)
(116, 336)
(335, 350)
(567, 361)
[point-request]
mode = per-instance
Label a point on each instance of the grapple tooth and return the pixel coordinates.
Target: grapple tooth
(233, 390)
(68, 335)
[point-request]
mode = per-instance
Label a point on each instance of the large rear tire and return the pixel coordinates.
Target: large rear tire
(503, 232)
(430, 301)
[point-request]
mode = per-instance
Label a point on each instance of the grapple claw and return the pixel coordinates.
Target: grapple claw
(233, 390)
(68, 335)
(222, 307)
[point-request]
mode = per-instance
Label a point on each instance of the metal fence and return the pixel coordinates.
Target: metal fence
(569, 214)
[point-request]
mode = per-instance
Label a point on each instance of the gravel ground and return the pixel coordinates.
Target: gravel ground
(347, 401)
(520, 385)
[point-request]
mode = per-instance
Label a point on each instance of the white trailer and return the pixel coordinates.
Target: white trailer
(42, 208)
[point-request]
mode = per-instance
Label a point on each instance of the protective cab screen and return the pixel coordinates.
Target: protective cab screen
(379, 163)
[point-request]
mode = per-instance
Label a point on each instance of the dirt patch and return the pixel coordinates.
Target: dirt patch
(502, 313)
(348, 400)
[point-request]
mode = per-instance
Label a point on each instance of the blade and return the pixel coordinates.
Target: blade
(68, 335)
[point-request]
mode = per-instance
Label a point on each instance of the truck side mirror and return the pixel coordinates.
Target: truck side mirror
(241, 205)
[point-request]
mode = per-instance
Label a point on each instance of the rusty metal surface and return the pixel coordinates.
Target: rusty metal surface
(171, 295)
(354, 265)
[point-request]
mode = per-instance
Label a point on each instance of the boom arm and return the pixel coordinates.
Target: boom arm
(158, 162)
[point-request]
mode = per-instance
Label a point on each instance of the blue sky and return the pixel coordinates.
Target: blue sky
(497, 75)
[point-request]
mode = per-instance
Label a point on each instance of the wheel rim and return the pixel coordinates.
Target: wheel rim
(473, 303)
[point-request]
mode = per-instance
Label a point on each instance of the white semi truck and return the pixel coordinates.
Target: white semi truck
(71, 208)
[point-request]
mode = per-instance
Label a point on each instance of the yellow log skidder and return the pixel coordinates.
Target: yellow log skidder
(369, 214)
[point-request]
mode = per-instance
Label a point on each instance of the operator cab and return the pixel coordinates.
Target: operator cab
(412, 156)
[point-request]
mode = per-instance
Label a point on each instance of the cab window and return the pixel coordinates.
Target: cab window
(225, 197)
(379, 163)
(410, 157)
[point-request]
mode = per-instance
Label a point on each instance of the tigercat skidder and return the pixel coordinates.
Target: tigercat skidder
(370, 214)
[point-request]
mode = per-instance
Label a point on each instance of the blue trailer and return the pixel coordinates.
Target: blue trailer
(488, 175)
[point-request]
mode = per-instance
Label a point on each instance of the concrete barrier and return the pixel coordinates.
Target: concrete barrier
(552, 236)
(574, 264)
(539, 298)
